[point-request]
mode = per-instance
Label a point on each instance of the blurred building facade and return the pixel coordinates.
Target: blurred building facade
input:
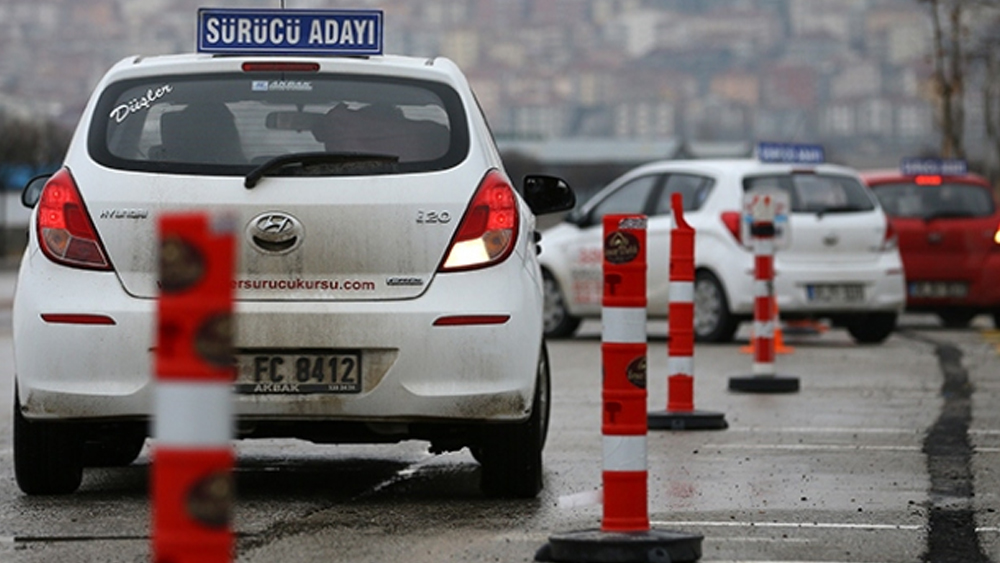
(850, 74)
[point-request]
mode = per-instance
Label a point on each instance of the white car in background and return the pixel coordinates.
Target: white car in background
(380, 243)
(840, 261)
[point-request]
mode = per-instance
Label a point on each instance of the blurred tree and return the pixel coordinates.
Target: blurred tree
(986, 59)
(949, 72)
(952, 36)
(33, 142)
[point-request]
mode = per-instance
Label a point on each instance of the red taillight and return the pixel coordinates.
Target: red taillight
(280, 67)
(731, 219)
(466, 320)
(64, 230)
(927, 180)
(488, 230)
(77, 319)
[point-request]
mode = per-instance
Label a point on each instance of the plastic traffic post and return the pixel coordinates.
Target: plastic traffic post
(680, 413)
(192, 458)
(625, 534)
(763, 378)
(623, 353)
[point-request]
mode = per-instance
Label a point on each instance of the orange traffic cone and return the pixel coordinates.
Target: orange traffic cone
(779, 340)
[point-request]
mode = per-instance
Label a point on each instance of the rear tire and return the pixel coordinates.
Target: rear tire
(558, 321)
(47, 455)
(871, 328)
(713, 321)
(511, 454)
(956, 319)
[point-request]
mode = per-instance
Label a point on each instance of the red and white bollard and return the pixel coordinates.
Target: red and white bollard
(763, 305)
(192, 457)
(625, 534)
(680, 413)
(623, 352)
(763, 376)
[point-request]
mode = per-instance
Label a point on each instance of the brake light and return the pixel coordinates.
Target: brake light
(488, 230)
(64, 230)
(927, 180)
(731, 219)
(996, 235)
(280, 67)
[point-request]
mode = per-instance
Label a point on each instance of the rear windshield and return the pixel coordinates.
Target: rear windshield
(229, 124)
(817, 193)
(906, 199)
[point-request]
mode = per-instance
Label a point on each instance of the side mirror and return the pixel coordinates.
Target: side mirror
(33, 191)
(548, 194)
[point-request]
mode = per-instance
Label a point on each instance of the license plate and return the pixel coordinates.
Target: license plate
(280, 372)
(937, 289)
(836, 293)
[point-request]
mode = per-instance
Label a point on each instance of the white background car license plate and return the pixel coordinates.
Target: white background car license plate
(938, 289)
(268, 372)
(836, 293)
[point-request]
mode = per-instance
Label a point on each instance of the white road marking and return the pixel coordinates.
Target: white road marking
(585, 498)
(807, 447)
(799, 525)
(827, 430)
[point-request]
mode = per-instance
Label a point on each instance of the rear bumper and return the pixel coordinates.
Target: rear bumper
(413, 370)
(882, 283)
(982, 280)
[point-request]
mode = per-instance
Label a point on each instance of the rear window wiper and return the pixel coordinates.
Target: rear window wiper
(836, 209)
(319, 163)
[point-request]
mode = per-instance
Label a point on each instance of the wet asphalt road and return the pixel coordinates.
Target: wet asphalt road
(886, 454)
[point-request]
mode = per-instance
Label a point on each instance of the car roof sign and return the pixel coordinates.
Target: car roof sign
(290, 32)
(933, 167)
(790, 153)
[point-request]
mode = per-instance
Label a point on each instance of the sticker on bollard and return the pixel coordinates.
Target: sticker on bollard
(625, 535)
(680, 413)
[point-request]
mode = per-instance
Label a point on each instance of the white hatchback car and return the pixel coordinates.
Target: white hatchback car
(840, 261)
(376, 226)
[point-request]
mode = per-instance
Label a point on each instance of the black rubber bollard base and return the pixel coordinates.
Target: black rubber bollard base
(686, 420)
(596, 546)
(764, 384)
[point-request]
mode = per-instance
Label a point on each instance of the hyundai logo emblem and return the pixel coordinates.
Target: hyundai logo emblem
(275, 232)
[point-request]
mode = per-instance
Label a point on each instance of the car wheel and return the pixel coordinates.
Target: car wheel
(956, 319)
(47, 457)
(558, 321)
(713, 322)
(511, 454)
(871, 328)
(996, 320)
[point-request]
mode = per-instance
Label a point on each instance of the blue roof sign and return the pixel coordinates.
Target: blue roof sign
(290, 32)
(933, 167)
(790, 153)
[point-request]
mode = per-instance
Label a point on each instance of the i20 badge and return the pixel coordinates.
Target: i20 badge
(275, 232)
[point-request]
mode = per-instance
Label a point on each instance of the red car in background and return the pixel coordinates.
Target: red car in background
(948, 224)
